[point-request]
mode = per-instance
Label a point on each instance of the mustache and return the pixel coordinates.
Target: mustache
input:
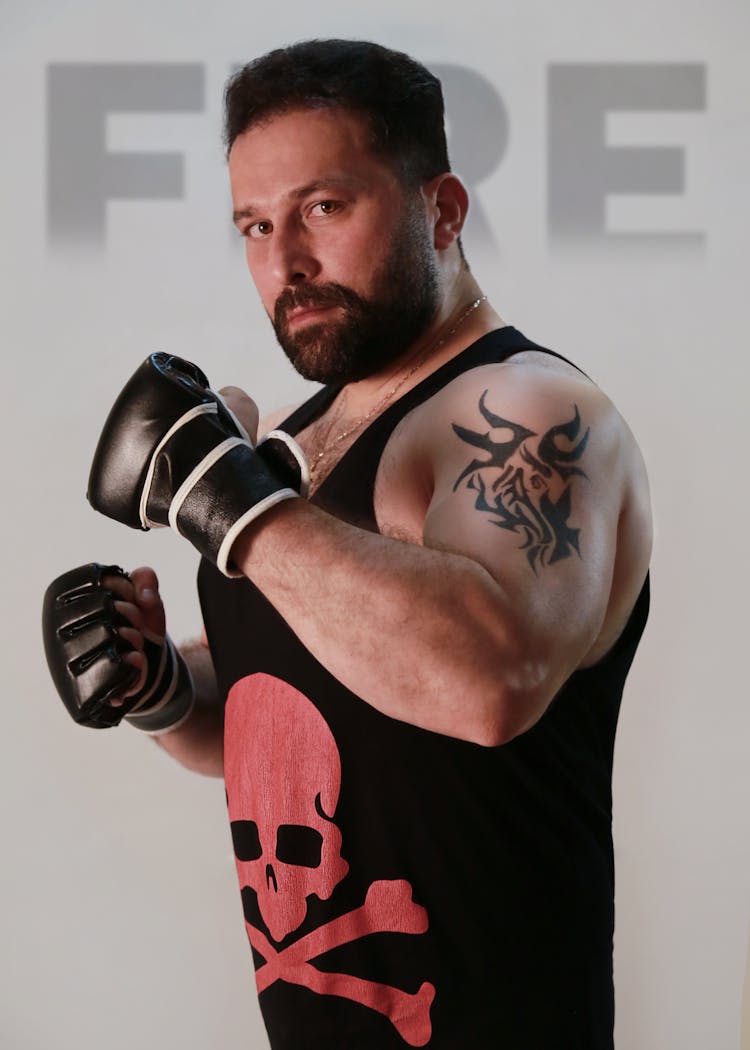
(319, 295)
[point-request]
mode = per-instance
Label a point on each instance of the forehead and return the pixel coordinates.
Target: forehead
(301, 147)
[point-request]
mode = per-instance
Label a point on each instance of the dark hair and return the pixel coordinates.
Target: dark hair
(401, 99)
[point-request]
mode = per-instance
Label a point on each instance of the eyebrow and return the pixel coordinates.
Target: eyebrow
(346, 181)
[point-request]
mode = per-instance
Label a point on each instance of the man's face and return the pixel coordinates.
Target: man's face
(340, 253)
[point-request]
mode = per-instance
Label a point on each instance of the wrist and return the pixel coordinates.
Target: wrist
(167, 698)
(256, 545)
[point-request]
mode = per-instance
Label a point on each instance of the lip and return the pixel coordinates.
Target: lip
(302, 314)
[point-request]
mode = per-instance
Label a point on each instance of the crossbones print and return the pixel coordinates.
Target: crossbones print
(388, 908)
(283, 778)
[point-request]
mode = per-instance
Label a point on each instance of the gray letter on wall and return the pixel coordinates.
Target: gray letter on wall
(477, 133)
(81, 175)
(582, 169)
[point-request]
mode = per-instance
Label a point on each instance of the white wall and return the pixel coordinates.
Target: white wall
(121, 920)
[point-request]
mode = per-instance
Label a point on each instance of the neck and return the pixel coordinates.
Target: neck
(437, 344)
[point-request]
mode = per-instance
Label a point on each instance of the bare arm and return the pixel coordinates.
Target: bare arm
(462, 635)
(198, 744)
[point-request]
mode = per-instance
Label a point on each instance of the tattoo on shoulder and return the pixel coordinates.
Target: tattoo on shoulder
(525, 484)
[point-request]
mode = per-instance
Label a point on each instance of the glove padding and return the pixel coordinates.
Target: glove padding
(173, 453)
(85, 657)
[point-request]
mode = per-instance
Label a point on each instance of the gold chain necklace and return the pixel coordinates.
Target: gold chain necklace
(316, 457)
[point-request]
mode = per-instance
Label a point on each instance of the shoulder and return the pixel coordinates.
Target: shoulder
(532, 405)
(535, 416)
(529, 382)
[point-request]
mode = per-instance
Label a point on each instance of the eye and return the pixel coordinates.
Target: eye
(296, 844)
(257, 230)
(245, 839)
(324, 208)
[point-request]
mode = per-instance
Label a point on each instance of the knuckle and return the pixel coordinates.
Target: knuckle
(144, 576)
(131, 613)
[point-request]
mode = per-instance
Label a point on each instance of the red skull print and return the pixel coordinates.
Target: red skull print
(283, 776)
(286, 843)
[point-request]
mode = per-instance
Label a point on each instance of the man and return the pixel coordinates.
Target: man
(423, 662)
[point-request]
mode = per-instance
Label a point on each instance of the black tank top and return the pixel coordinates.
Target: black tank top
(403, 888)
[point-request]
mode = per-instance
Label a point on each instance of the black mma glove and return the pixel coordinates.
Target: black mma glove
(85, 658)
(173, 453)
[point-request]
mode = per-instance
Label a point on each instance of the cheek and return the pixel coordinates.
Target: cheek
(374, 246)
(352, 261)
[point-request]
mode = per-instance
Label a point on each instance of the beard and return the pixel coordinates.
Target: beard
(373, 330)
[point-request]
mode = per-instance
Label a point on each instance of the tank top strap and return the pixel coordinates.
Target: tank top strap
(305, 413)
(493, 348)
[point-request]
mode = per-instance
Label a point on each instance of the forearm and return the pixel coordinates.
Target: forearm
(423, 635)
(198, 744)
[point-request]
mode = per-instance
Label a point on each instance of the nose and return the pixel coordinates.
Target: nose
(271, 879)
(292, 259)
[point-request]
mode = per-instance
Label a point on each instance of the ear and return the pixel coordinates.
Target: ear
(448, 202)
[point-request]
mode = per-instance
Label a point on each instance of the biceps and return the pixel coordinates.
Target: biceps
(549, 550)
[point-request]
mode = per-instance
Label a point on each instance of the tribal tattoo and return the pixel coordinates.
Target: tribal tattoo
(527, 489)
